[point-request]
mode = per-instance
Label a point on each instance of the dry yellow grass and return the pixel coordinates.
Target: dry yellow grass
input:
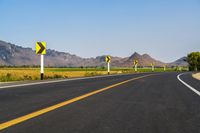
(18, 74)
(197, 76)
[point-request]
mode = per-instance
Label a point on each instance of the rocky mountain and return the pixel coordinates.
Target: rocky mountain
(143, 60)
(180, 62)
(14, 55)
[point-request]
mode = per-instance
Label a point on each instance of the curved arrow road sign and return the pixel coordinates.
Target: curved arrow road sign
(40, 47)
(108, 59)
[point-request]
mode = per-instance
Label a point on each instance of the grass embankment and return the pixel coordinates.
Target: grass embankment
(20, 74)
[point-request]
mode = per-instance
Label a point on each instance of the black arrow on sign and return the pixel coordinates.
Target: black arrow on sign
(42, 48)
(108, 59)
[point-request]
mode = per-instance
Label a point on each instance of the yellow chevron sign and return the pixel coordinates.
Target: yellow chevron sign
(135, 62)
(40, 48)
(108, 59)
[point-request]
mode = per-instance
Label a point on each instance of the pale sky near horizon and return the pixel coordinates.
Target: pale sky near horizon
(165, 29)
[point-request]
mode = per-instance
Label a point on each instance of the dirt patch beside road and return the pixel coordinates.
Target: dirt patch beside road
(196, 75)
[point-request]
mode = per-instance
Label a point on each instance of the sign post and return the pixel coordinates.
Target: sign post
(164, 67)
(108, 59)
(42, 67)
(135, 62)
(41, 50)
(152, 67)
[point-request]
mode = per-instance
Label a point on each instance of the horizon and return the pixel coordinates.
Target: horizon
(95, 28)
(101, 55)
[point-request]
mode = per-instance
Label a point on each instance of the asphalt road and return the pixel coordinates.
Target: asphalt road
(158, 103)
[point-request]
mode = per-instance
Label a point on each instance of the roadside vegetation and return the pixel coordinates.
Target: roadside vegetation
(29, 73)
(194, 61)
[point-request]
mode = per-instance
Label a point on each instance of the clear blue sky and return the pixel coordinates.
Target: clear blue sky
(165, 29)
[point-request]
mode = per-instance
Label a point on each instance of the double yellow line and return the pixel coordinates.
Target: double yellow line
(51, 108)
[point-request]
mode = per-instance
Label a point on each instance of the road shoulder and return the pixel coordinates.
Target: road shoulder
(196, 75)
(29, 83)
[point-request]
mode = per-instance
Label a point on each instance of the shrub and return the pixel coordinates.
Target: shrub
(194, 61)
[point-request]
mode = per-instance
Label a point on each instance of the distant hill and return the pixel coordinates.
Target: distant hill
(14, 55)
(144, 60)
(180, 62)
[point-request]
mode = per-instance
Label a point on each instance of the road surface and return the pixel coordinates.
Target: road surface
(133, 103)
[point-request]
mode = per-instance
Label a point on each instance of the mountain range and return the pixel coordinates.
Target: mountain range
(13, 55)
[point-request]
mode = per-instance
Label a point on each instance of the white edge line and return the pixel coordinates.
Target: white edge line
(190, 87)
(56, 81)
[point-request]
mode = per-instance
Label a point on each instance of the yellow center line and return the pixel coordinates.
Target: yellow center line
(51, 108)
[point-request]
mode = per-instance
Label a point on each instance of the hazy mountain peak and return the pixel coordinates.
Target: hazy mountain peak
(180, 62)
(135, 55)
(146, 56)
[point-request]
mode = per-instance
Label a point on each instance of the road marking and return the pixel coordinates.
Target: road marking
(190, 87)
(56, 81)
(51, 108)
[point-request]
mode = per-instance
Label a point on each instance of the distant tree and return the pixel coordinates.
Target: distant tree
(194, 61)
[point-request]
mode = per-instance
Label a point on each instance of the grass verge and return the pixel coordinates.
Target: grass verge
(21, 74)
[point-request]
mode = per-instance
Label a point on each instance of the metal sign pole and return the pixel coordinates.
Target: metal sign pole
(108, 68)
(42, 67)
(135, 67)
(135, 62)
